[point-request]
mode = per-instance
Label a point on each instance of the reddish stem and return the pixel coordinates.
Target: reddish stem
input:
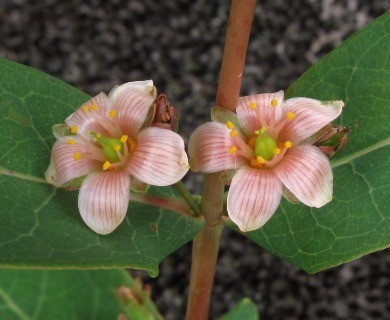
(237, 38)
(206, 243)
(179, 206)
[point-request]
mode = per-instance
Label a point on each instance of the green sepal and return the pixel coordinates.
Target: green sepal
(221, 115)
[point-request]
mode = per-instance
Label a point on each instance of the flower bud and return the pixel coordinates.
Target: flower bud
(166, 116)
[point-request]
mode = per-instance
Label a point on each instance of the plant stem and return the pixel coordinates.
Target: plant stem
(188, 197)
(179, 206)
(206, 243)
(237, 38)
(204, 261)
(205, 249)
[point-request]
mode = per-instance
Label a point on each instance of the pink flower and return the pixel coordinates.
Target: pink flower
(264, 148)
(108, 140)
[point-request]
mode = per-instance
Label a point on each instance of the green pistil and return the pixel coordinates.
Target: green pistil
(265, 146)
(109, 145)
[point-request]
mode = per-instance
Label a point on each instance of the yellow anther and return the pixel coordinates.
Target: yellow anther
(85, 108)
(73, 129)
(94, 107)
(117, 147)
(260, 159)
(124, 138)
(287, 144)
(94, 139)
(106, 165)
(233, 133)
(290, 115)
(252, 105)
(112, 113)
(277, 151)
(262, 130)
(98, 135)
(232, 150)
(255, 163)
(71, 141)
(230, 125)
(77, 155)
(274, 102)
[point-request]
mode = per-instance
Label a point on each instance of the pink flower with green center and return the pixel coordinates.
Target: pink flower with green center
(108, 140)
(263, 147)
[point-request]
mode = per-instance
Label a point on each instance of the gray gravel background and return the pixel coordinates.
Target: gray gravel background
(95, 45)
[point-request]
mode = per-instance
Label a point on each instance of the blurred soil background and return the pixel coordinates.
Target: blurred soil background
(97, 44)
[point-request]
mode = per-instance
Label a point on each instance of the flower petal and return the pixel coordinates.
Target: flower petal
(306, 172)
(310, 116)
(253, 197)
(63, 167)
(132, 102)
(208, 149)
(103, 200)
(251, 119)
(86, 118)
(159, 158)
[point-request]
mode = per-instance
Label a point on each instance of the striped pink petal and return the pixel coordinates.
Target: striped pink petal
(208, 149)
(103, 200)
(63, 167)
(306, 172)
(254, 119)
(86, 118)
(159, 158)
(310, 116)
(132, 102)
(253, 197)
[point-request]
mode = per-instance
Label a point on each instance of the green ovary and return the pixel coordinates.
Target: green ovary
(265, 146)
(109, 145)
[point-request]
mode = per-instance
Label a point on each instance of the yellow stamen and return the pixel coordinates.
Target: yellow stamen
(94, 107)
(260, 159)
(230, 125)
(77, 155)
(71, 141)
(287, 144)
(106, 165)
(94, 139)
(73, 129)
(262, 130)
(290, 115)
(112, 113)
(232, 150)
(98, 135)
(277, 151)
(117, 147)
(255, 163)
(124, 138)
(233, 133)
(274, 102)
(86, 108)
(252, 105)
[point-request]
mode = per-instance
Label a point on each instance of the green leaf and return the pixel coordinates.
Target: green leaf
(70, 294)
(40, 225)
(245, 309)
(357, 221)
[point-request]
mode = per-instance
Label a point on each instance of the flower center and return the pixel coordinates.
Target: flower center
(264, 145)
(110, 146)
